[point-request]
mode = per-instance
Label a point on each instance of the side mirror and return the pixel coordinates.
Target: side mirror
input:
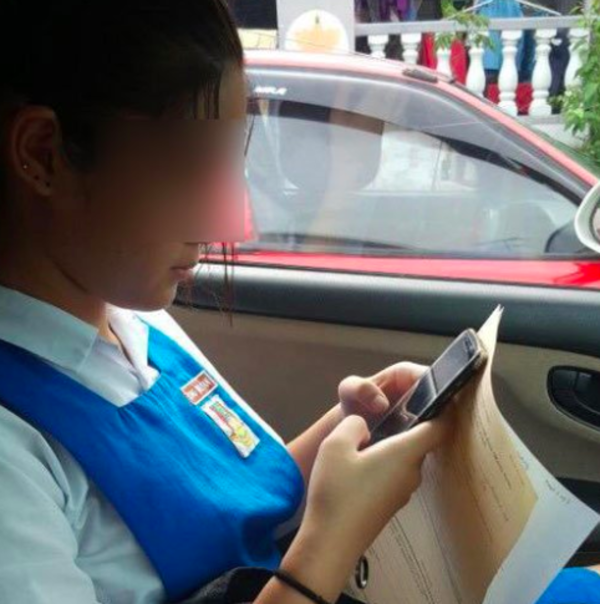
(587, 220)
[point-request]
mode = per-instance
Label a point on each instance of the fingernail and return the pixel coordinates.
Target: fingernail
(379, 403)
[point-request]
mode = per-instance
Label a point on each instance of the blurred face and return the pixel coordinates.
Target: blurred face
(131, 229)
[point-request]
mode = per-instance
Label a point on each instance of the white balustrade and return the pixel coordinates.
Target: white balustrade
(508, 80)
(577, 40)
(411, 43)
(541, 79)
(443, 61)
(545, 32)
(476, 80)
(377, 44)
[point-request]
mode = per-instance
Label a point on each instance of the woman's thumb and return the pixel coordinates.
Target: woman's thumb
(351, 432)
(423, 438)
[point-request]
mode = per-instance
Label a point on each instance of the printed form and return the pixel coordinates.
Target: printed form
(476, 531)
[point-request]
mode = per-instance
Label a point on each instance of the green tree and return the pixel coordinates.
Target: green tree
(476, 26)
(581, 101)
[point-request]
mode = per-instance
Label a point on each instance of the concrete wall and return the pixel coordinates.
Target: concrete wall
(554, 127)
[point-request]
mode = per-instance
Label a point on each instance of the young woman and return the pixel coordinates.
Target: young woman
(130, 472)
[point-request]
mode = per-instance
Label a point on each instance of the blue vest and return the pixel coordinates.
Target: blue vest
(180, 474)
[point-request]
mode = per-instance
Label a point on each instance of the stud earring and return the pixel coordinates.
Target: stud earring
(25, 166)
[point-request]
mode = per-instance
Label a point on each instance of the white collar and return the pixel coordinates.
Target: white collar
(59, 337)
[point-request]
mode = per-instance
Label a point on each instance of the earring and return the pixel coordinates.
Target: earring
(25, 166)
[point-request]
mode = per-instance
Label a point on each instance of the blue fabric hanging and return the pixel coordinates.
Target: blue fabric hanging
(499, 9)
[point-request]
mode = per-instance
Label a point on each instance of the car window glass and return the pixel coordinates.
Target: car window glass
(432, 181)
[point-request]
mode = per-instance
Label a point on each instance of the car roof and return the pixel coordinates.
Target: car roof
(352, 63)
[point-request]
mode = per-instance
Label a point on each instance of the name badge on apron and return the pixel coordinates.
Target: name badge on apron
(240, 434)
(199, 387)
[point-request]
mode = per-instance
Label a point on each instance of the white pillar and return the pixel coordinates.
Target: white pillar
(410, 44)
(541, 79)
(377, 45)
(476, 74)
(509, 76)
(443, 61)
(577, 38)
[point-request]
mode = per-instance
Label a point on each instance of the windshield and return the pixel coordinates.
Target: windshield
(343, 166)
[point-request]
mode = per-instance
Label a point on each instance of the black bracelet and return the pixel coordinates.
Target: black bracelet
(284, 576)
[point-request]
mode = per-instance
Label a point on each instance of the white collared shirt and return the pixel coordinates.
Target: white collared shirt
(61, 541)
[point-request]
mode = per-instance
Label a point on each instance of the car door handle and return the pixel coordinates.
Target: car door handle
(576, 392)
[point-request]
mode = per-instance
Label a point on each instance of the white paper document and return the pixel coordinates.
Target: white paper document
(489, 524)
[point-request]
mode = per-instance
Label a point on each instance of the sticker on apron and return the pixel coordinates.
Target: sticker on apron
(239, 433)
(199, 387)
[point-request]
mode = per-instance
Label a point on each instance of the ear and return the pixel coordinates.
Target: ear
(34, 143)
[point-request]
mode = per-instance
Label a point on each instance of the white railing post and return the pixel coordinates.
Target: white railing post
(510, 32)
(476, 75)
(377, 45)
(410, 44)
(443, 61)
(541, 79)
(577, 39)
(508, 79)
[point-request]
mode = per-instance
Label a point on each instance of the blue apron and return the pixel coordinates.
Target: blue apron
(177, 463)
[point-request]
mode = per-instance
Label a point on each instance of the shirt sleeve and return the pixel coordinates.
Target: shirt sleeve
(38, 547)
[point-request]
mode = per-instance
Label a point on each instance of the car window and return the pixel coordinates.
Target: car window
(432, 181)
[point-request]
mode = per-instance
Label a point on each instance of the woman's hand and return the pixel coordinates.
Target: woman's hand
(370, 397)
(367, 397)
(357, 488)
(353, 493)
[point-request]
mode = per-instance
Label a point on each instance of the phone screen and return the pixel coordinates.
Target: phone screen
(449, 372)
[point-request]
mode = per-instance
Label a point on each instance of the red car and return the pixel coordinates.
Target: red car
(363, 165)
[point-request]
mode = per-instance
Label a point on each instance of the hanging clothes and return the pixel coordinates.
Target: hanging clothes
(565, 7)
(255, 14)
(499, 9)
(412, 12)
(394, 10)
(560, 55)
(368, 11)
(529, 47)
(523, 96)
(459, 61)
(527, 62)
(429, 10)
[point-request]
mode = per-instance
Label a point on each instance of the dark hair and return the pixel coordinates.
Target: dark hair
(93, 59)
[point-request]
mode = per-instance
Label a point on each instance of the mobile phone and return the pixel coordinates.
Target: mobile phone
(435, 389)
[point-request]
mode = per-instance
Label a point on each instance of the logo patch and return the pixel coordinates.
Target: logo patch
(232, 425)
(198, 388)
